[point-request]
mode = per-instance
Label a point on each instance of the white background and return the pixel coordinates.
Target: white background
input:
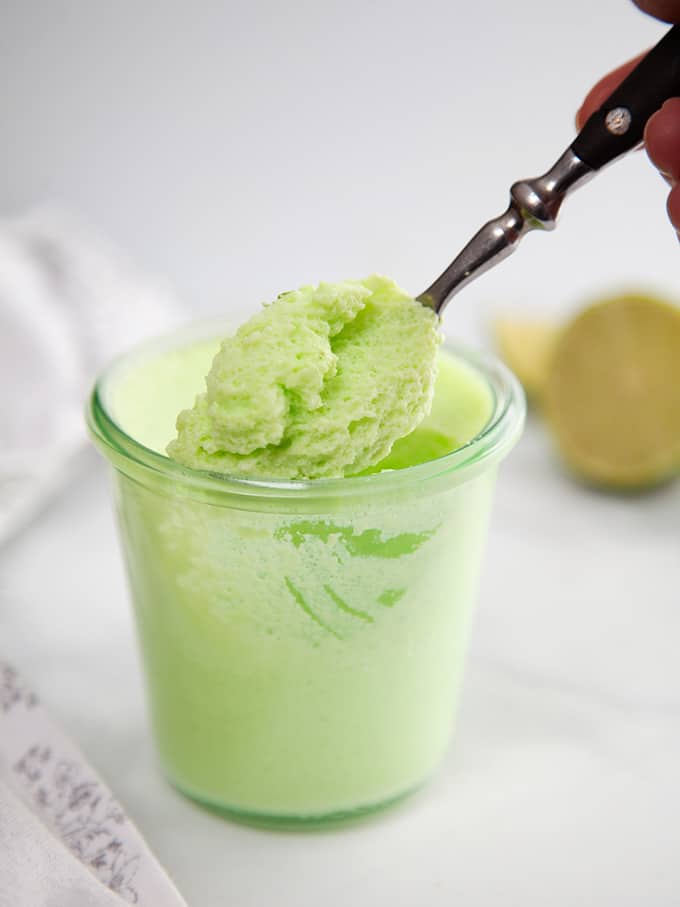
(240, 149)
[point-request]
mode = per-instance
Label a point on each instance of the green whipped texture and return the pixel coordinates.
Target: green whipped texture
(320, 383)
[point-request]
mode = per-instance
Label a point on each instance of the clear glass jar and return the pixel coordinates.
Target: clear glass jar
(304, 642)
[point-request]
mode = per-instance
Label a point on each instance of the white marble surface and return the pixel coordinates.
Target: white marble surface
(170, 128)
(561, 787)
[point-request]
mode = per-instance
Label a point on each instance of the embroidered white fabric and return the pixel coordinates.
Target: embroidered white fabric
(65, 841)
(36, 870)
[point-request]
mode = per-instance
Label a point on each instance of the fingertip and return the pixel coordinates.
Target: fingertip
(673, 206)
(662, 138)
(666, 10)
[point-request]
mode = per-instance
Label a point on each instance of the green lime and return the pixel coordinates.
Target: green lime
(526, 347)
(612, 392)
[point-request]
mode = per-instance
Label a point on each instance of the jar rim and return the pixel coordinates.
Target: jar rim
(487, 447)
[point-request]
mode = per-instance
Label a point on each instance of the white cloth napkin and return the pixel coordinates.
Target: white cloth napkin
(65, 841)
(36, 870)
(68, 303)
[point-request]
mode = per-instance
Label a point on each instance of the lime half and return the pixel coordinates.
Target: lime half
(612, 392)
(526, 346)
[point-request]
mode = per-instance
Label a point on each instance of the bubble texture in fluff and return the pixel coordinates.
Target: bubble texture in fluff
(322, 382)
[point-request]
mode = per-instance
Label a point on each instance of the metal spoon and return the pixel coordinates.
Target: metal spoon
(616, 127)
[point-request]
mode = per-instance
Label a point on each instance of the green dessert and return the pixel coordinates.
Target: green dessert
(304, 641)
(150, 391)
(319, 383)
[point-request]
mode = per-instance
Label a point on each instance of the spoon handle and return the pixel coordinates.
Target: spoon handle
(615, 128)
(619, 124)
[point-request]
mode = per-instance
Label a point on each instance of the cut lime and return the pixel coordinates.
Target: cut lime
(526, 346)
(612, 392)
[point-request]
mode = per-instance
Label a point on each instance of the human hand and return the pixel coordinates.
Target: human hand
(662, 132)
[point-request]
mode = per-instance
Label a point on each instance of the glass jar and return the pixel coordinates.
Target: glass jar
(304, 642)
